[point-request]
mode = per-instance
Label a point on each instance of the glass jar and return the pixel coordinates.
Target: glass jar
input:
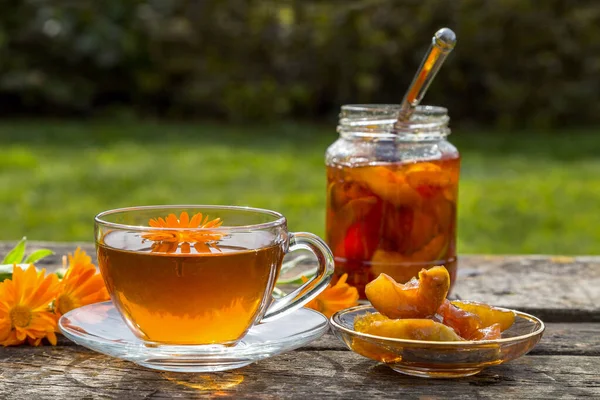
(391, 193)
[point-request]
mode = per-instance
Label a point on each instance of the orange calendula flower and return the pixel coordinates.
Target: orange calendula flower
(167, 241)
(81, 285)
(25, 312)
(335, 297)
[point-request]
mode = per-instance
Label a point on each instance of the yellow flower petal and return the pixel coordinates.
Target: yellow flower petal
(196, 221)
(166, 241)
(335, 297)
(81, 285)
(24, 311)
(184, 219)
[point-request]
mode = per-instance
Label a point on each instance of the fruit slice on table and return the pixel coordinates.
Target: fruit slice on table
(487, 314)
(413, 329)
(388, 185)
(475, 321)
(361, 323)
(488, 333)
(416, 299)
(464, 323)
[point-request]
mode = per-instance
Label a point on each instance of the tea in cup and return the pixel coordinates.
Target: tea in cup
(197, 275)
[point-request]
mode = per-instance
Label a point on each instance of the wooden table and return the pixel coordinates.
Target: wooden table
(562, 291)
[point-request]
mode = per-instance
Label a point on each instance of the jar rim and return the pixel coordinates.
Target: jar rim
(380, 121)
(395, 108)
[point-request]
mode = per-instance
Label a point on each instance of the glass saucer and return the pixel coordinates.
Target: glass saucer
(99, 327)
(438, 359)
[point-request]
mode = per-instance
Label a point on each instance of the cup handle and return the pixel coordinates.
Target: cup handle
(311, 289)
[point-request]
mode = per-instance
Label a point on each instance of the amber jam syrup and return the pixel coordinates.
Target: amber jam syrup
(393, 218)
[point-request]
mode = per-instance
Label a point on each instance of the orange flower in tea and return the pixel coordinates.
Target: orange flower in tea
(335, 297)
(167, 241)
(24, 307)
(81, 285)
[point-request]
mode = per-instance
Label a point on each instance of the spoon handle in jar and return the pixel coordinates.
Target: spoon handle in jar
(442, 44)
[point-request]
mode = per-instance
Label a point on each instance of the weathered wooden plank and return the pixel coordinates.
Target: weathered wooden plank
(566, 363)
(72, 372)
(556, 289)
(559, 339)
(31, 364)
(570, 339)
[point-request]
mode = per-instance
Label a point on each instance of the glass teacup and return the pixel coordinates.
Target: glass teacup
(196, 275)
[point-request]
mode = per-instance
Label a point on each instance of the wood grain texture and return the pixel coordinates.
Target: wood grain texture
(563, 291)
(565, 364)
(556, 289)
(72, 372)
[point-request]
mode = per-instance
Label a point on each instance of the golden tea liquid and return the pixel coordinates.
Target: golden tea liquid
(190, 298)
(392, 218)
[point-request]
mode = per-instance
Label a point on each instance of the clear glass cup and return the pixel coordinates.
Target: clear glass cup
(196, 275)
(392, 191)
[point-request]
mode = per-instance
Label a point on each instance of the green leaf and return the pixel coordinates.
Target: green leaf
(15, 256)
(38, 255)
(6, 272)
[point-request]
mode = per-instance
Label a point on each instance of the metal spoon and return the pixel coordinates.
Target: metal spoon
(442, 44)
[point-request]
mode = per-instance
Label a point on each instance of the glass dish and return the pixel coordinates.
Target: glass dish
(438, 359)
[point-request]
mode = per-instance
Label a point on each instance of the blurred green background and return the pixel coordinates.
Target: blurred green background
(113, 103)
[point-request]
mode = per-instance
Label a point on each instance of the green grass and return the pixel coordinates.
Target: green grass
(520, 192)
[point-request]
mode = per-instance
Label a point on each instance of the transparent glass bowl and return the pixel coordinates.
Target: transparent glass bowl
(438, 359)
